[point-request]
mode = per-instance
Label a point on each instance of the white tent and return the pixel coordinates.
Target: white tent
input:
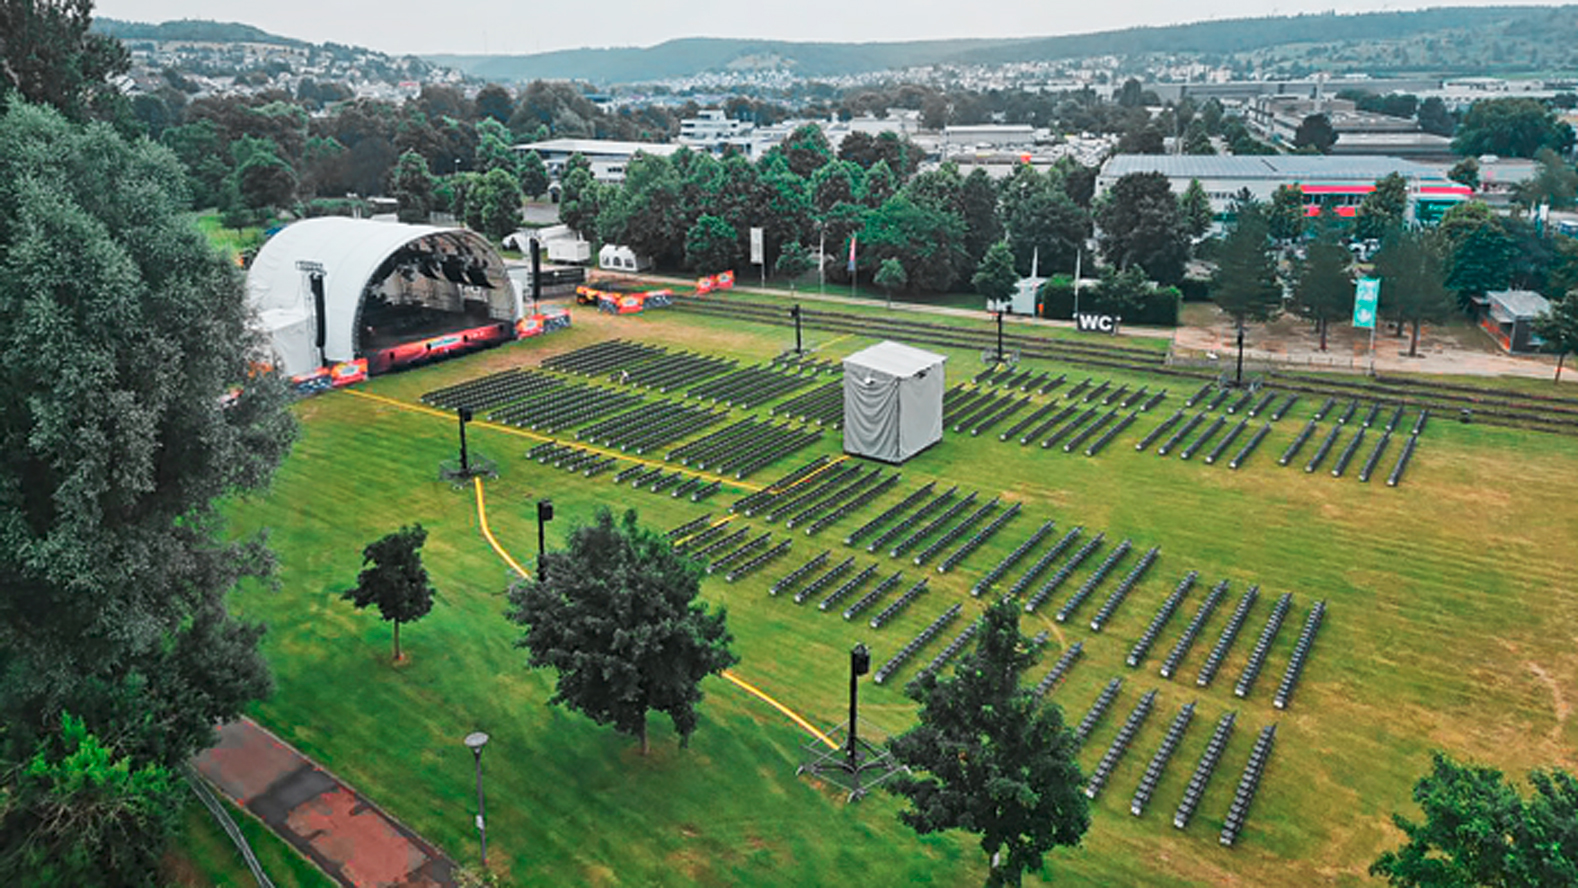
(355, 257)
(892, 401)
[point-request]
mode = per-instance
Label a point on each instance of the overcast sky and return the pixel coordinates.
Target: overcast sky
(473, 26)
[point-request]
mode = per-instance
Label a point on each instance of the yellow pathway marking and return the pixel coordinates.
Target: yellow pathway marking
(742, 684)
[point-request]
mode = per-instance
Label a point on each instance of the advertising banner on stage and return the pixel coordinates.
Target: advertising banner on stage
(348, 372)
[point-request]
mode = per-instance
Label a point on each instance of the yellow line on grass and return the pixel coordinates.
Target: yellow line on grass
(742, 684)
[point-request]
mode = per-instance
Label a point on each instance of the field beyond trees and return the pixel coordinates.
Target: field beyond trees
(1450, 605)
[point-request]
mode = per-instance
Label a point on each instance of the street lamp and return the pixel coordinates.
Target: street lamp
(544, 515)
(475, 741)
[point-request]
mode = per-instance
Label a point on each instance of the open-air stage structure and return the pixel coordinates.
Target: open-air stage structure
(346, 297)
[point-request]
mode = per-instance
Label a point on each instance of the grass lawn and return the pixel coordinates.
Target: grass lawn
(1450, 605)
(229, 241)
(206, 856)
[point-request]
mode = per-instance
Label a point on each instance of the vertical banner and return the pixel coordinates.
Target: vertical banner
(1366, 297)
(758, 253)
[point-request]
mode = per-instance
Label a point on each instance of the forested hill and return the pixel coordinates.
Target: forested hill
(1459, 39)
(196, 30)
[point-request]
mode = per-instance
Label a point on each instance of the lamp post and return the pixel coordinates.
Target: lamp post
(475, 741)
(464, 414)
(544, 515)
(1238, 376)
(795, 313)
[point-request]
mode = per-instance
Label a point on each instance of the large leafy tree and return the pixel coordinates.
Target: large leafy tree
(1478, 830)
(1141, 224)
(1047, 224)
(978, 208)
(1315, 131)
(1554, 182)
(413, 188)
(1323, 290)
(644, 214)
(1285, 213)
(1382, 210)
(394, 580)
(493, 203)
(1479, 250)
(1412, 270)
(1559, 328)
(711, 245)
(986, 757)
(1511, 127)
(615, 613)
(929, 244)
(581, 201)
(806, 149)
(123, 334)
(49, 56)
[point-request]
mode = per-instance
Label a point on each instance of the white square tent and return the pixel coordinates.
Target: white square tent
(892, 401)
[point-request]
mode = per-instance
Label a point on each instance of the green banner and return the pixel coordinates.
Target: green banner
(1366, 298)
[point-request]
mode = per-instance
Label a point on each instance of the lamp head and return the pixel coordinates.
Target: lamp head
(475, 741)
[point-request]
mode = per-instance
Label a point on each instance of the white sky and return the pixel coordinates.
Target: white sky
(473, 26)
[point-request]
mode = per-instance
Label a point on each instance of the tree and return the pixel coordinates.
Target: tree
(996, 278)
(1554, 182)
(79, 816)
(988, 757)
(807, 150)
(1465, 172)
(1285, 215)
(413, 188)
(891, 276)
(794, 260)
(49, 55)
(1245, 284)
(929, 245)
(1048, 224)
(1196, 140)
(1434, 117)
(493, 204)
(1559, 328)
(1315, 131)
(494, 102)
(533, 175)
(1141, 224)
(615, 613)
(1323, 288)
(112, 540)
(711, 245)
(1413, 282)
(1195, 205)
(978, 208)
(1479, 831)
(1382, 209)
(581, 200)
(1512, 127)
(1144, 138)
(1479, 251)
(394, 580)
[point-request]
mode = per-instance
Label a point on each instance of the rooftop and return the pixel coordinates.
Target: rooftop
(597, 147)
(1279, 167)
(1520, 304)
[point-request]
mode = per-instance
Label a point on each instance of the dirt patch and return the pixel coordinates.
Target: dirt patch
(1563, 707)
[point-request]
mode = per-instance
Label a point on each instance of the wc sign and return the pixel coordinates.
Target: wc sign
(1094, 323)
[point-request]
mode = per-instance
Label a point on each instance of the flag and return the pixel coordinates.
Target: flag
(852, 239)
(1366, 298)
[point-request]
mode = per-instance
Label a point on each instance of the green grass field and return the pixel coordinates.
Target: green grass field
(1451, 603)
(206, 855)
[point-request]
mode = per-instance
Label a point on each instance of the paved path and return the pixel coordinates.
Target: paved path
(347, 836)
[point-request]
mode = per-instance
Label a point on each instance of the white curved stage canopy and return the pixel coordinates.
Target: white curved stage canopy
(334, 289)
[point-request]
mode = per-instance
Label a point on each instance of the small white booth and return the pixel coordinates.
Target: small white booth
(892, 401)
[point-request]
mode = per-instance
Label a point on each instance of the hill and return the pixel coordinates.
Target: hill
(196, 30)
(1515, 33)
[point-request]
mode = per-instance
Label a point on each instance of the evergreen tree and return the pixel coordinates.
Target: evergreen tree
(996, 278)
(1195, 205)
(986, 756)
(413, 188)
(1245, 285)
(394, 580)
(534, 175)
(1285, 215)
(1382, 210)
(1413, 282)
(615, 614)
(1323, 291)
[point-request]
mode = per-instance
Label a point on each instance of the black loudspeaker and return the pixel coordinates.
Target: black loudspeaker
(536, 270)
(465, 414)
(545, 510)
(860, 660)
(316, 282)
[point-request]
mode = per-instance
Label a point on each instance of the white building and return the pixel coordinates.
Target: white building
(607, 157)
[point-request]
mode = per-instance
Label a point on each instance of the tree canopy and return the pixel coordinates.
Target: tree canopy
(988, 757)
(1141, 224)
(51, 57)
(615, 614)
(1480, 832)
(1245, 284)
(1323, 288)
(1559, 328)
(1315, 131)
(1511, 127)
(1413, 281)
(125, 338)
